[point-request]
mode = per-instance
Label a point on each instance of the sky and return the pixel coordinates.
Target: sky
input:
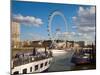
(33, 19)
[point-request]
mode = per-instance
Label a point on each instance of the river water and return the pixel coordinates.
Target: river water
(62, 62)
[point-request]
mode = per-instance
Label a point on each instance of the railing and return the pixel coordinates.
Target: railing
(28, 59)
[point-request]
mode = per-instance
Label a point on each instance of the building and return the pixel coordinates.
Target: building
(81, 43)
(15, 34)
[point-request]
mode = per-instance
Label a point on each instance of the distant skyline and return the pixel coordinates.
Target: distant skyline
(33, 19)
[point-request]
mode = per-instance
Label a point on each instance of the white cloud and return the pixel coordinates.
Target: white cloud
(86, 29)
(77, 36)
(27, 20)
(84, 22)
(67, 35)
(74, 18)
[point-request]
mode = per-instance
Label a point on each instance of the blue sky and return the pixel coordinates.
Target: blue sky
(42, 11)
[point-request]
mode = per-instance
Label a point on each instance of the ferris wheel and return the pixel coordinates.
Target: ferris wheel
(54, 36)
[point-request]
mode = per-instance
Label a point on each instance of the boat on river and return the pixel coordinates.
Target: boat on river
(32, 62)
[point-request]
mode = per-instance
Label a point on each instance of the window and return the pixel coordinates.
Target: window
(24, 71)
(45, 63)
(36, 67)
(41, 65)
(30, 69)
(16, 73)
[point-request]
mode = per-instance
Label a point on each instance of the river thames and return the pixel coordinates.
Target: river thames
(62, 62)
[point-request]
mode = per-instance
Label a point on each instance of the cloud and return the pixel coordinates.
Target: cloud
(84, 22)
(27, 20)
(67, 35)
